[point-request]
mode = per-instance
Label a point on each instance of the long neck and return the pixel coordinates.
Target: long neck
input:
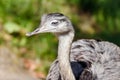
(65, 42)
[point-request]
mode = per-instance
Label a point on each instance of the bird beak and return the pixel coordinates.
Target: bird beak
(37, 31)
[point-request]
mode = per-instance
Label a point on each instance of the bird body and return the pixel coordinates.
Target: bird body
(103, 60)
(85, 59)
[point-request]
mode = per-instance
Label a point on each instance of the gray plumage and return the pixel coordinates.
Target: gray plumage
(103, 60)
(85, 59)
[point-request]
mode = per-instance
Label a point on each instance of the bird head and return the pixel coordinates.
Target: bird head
(55, 23)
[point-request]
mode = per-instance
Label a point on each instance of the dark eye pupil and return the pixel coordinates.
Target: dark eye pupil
(54, 23)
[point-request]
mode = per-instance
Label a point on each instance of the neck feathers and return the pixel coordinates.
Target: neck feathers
(65, 42)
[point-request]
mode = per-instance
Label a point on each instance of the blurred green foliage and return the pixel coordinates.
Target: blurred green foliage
(99, 19)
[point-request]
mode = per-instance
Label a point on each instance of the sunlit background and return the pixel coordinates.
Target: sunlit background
(98, 19)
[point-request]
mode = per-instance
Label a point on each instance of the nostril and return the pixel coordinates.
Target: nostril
(37, 30)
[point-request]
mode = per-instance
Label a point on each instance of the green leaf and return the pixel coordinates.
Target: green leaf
(23, 41)
(11, 27)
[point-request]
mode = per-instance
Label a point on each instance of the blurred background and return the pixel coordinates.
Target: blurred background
(98, 19)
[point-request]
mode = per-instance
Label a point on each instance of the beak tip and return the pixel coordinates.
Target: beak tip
(28, 34)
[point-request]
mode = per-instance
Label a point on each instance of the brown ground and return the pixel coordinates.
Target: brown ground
(11, 68)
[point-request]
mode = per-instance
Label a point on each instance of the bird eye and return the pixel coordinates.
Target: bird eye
(54, 23)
